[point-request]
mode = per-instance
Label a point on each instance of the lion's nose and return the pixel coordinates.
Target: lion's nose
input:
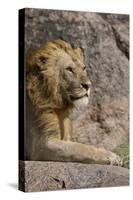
(86, 85)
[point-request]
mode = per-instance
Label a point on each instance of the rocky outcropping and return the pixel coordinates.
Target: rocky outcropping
(105, 41)
(43, 176)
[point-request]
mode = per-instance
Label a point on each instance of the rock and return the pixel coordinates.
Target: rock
(105, 41)
(121, 30)
(43, 176)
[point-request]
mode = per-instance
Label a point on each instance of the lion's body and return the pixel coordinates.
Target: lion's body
(62, 124)
(56, 82)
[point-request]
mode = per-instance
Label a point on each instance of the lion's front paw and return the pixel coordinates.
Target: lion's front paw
(115, 159)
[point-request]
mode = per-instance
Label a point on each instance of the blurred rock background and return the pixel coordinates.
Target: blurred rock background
(105, 41)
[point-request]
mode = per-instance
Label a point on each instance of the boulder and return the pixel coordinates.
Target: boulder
(43, 176)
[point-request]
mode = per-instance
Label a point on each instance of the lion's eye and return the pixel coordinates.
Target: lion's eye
(84, 68)
(69, 69)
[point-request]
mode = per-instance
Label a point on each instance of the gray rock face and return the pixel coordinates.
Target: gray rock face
(43, 176)
(105, 41)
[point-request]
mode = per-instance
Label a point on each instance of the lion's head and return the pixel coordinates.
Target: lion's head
(56, 76)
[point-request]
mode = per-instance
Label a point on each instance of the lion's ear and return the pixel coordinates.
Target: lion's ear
(35, 61)
(79, 53)
(41, 60)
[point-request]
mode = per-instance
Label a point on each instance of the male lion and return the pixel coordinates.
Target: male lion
(57, 81)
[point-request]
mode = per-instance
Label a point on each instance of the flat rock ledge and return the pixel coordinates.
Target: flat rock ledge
(42, 176)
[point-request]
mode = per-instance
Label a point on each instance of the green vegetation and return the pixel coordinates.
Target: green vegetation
(123, 152)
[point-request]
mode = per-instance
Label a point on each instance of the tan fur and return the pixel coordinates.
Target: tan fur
(57, 81)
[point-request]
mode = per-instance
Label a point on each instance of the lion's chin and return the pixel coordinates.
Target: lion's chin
(81, 102)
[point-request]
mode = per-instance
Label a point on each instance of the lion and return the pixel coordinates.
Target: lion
(57, 81)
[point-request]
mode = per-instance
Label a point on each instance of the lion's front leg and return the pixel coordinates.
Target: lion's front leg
(67, 151)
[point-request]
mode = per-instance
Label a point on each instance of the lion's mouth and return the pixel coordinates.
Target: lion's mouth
(79, 97)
